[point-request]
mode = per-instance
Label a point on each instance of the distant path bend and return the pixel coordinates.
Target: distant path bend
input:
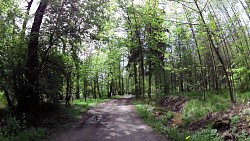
(115, 120)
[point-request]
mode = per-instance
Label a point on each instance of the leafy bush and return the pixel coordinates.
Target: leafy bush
(241, 78)
(12, 126)
(15, 131)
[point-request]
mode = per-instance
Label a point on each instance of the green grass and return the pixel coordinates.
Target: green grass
(147, 116)
(243, 97)
(172, 132)
(80, 105)
(197, 107)
(117, 96)
(159, 124)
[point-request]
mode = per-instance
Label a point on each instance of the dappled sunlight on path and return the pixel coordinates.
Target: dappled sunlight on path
(116, 120)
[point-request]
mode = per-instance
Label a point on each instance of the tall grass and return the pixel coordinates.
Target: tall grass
(173, 132)
(197, 107)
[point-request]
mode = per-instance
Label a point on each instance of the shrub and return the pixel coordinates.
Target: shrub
(15, 131)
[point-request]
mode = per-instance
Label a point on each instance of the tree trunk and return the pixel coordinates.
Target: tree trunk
(231, 88)
(149, 79)
(29, 100)
(98, 87)
(110, 89)
(77, 84)
(67, 97)
(85, 88)
(141, 53)
(135, 81)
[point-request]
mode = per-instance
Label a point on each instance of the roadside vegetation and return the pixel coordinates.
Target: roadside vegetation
(186, 116)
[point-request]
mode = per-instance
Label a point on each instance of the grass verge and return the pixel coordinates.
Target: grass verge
(194, 109)
(172, 132)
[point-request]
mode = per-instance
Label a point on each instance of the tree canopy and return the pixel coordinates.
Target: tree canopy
(97, 48)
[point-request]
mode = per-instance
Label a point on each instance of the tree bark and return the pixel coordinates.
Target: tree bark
(85, 87)
(29, 100)
(149, 79)
(67, 97)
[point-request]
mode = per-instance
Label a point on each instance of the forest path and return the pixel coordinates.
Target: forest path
(115, 120)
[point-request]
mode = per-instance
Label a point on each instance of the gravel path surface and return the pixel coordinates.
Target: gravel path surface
(115, 120)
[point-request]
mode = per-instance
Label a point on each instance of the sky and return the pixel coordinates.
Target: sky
(168, 10)
(34, 6)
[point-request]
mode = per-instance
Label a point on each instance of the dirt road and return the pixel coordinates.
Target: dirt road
(115, 120)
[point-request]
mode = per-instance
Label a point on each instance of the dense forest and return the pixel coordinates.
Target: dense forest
(62, 50)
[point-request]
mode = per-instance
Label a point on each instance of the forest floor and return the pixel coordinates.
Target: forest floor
(115, 120)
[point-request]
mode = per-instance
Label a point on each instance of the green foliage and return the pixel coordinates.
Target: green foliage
(241, 78)
(197, 108)
(143, 111)
(51, 80)
(169, 115)
(206, 135)
(31, 134)
(80, 105)
(173, 132)
(235, 119)
(3, 102)
(243, 97)
(15, 131)
(12, 126)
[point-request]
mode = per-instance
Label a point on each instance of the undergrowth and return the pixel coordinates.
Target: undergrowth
(215, 102)
(14, 130)
(173, 132)
(55, 117)
(194, 109)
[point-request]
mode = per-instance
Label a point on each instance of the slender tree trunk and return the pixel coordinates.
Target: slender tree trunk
(149, 79)
(110, 89)
(94, 89)
(67, 97)
(231, 88)
(98, 86)
(199, 56)
(77, 83)
(135, 80)
(85, 87)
